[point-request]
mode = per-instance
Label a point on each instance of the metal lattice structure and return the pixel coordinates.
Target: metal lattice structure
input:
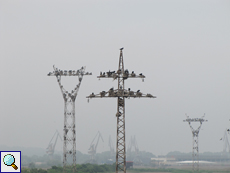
(226, 146)
(195, 141)
(69, 137)
(120, 93)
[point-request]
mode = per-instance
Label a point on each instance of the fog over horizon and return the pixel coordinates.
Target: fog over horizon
(182, 47)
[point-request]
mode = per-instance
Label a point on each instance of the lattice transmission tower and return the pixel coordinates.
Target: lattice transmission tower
(226, 145)
(69, 132)
(195, 144)
(120, 93)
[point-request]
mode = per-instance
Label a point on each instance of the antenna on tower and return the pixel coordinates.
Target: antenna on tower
(120, 93)
(69, 139)
(195, 133)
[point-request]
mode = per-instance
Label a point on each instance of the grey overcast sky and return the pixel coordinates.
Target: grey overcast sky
(183, 48)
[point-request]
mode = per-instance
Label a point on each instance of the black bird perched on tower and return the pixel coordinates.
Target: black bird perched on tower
(138, 90)
(122, 48)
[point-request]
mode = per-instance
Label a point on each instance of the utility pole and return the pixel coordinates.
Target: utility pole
(69, 140)
(120, 93)
(195, 147)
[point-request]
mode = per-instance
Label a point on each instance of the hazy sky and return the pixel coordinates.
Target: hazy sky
(183, 48)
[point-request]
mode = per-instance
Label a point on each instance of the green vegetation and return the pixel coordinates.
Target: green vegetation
(46, 161)
(84, 168)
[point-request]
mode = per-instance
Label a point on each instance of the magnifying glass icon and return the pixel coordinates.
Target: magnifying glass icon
(9, 160)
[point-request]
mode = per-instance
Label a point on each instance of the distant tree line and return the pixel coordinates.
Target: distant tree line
(46, 161)
(84, 168)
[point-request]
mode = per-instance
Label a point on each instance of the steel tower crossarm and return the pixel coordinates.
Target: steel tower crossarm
(120, 93)
(114, 75)
(69, 132)
(58, 73)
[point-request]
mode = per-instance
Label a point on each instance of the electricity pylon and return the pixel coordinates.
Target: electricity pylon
(195, 147)
(226, 146)
(69, 140)
(120, 93)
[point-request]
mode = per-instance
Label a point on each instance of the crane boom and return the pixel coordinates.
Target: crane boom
(51, 145)
(93, 147)
(98, 140)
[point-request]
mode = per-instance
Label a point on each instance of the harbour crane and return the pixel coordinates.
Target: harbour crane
(93, 147)
(133, 143)
(111, 147)
(52, 144)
